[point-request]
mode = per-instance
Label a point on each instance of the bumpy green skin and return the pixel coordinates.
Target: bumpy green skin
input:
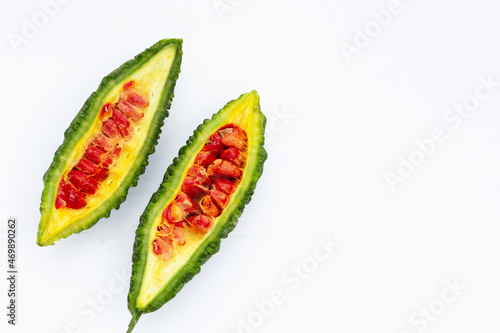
(82, 123)
(210, 245)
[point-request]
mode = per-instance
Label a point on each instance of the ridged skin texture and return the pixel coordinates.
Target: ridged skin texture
(210, 245)
(82, 123)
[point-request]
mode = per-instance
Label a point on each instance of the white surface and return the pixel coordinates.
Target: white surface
(347, 125)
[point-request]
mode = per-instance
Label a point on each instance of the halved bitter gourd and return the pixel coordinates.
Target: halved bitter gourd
(202, 196)
(107, 145)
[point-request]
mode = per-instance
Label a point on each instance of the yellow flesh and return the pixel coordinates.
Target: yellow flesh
(157, 272)
(150, 79)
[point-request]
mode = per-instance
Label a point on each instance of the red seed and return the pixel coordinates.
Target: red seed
(99, 156)
(128, 85)
(101, 175)
(224, 168)
(116, 151)
(237, 139)
(226, 130)
(105, 111)
(94, 154)
(180, 225)
(232, 155)
(164, 230)
(224, 185)
(71, 197)
(192, 187)
(123, 123)
(60, 202)
(164, 214)
(74, 198)
(178, 233)
(83, 182)
(220, 199)
(185, 202)
(208, 207)
(103, 142)
(130, 110)
(106, 160)
(89, 167)
(199, 173)
(200, 223)
(110, 129)
(214, 144)
(136, 98)
(163, 248)
(173, 213)
(205, 158)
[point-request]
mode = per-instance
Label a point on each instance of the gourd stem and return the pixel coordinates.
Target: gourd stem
(134, 321)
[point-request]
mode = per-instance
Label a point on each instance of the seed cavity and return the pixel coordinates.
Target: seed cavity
(205, 192)
(92, 170)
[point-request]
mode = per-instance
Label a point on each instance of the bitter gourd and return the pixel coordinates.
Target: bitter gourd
(107, 145)
(202, 195)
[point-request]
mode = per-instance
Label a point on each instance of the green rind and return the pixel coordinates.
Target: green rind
(210, 245)
(81, 124)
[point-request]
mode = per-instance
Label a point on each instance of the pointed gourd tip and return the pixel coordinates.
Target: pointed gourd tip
(40, 241)
(177, 41)
(249, 97)
(255, 95)
(252, 93)
(169, 41)
(252, 97)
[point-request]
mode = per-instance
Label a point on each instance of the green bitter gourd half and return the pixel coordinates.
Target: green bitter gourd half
(202, 196)
(107, 145)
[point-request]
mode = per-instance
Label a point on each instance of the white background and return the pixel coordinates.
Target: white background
(337, 126)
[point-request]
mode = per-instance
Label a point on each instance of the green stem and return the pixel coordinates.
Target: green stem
(134, 321)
